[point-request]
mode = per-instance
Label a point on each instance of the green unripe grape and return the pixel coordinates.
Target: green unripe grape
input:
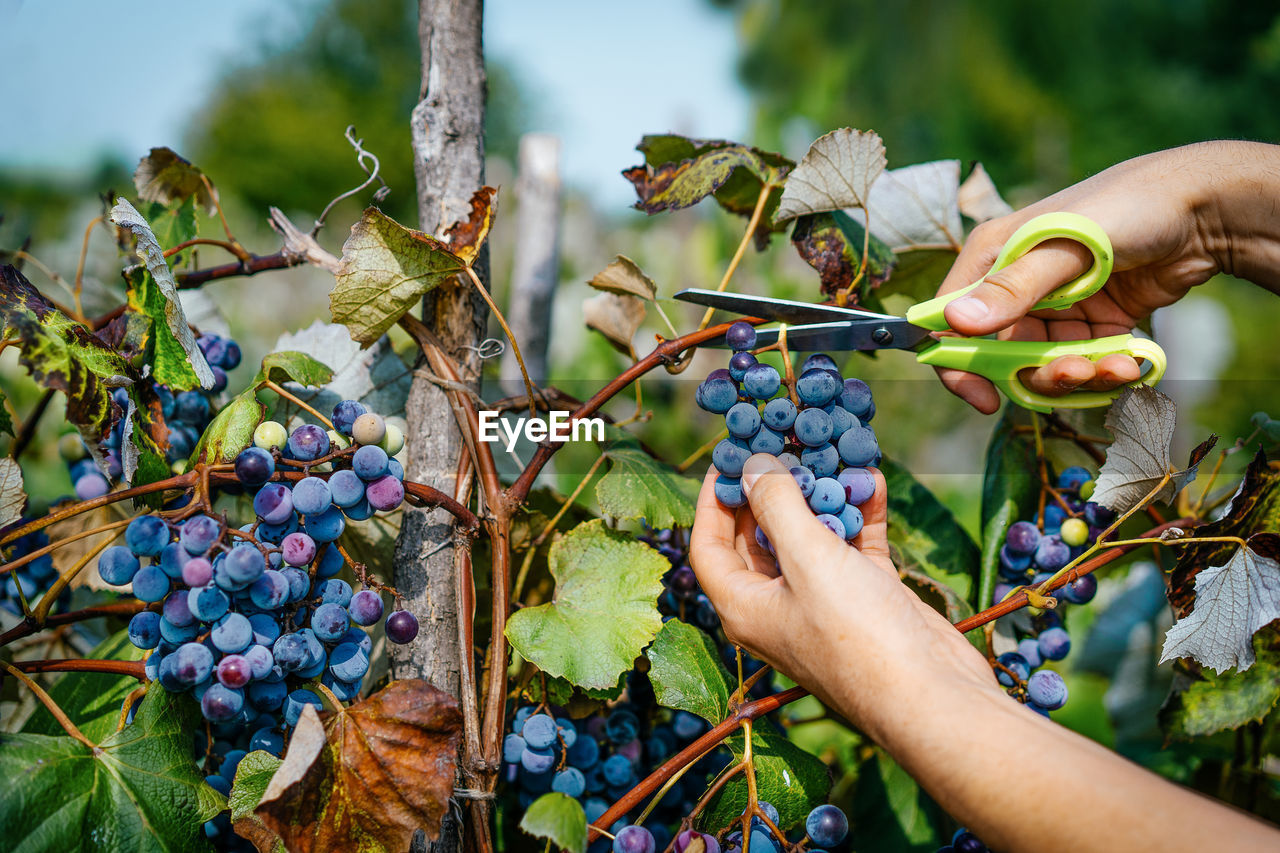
(1086, 489)
(270, 435)
(1074, 532)
(72, 448)
(393, 440)
(369, 429)
(179, 467)
(338, 441)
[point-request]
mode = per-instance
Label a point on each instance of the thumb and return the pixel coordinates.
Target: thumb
(800, 541)
(1005, 296)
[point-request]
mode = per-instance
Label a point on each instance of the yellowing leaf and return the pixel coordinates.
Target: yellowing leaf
(386, 269)
(836, 173)
(164, 177)
(616, 317)
(12, 495)
(624, 277)
(467, 236)
(676, 185)
(1233, 601)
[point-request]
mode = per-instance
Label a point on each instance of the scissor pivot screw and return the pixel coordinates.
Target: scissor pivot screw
(882, 336)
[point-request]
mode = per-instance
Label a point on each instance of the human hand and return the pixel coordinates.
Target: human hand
(1153, 208)
(837, 619)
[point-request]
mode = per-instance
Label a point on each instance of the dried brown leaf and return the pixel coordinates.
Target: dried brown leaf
(978, 197)
(835, 174)
(624, 277)
(467, 236)
(616, 317)
(164, 177)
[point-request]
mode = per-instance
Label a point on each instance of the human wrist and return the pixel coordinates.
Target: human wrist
(1233, 204)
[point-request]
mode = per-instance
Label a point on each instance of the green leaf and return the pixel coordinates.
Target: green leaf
(557, 817)
(923, 529)
(168, 360)
(253, 775)
(792, 780)
(686, 672)
(6, 422)
(92, 700)
(561, 692)
(174, 223)
(386, 269)
(139, 790)
(1219, 702)
(890, 812)
(639, 486)
(603, 613)
(63, 355)
(293, 367)
(917, 273)
(231, 430)
(1009, 493)
(937, 594)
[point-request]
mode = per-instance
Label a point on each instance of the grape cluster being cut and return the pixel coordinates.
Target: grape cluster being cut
(819, 429)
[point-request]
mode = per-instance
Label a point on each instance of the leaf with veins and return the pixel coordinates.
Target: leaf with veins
(624, 277)
(978, 197)
(13, 497)
(616, 317)
(837, 172)
(1142, 421)
(1233, 601)
(917, 206)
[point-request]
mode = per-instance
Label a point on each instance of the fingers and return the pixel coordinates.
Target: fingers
(971, 388)
(712, 554)
(1071, 372)
(873, 541)
(801, 542)
(1005, 296)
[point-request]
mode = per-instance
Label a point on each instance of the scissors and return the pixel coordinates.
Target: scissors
(828, 327)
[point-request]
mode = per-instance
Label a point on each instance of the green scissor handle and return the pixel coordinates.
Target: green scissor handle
(1000, 361)
(1047, 226)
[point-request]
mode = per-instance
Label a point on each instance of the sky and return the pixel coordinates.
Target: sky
(79, 80)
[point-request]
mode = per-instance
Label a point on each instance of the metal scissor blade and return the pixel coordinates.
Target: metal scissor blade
(782, 310)
(845, 335)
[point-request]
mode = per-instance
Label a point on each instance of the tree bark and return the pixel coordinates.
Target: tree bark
(536, 264)
(447, 129)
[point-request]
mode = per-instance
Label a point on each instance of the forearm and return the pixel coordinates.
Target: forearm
(985, 759)
(1238, 205)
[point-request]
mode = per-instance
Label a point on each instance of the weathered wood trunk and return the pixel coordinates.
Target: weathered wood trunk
(448, 146)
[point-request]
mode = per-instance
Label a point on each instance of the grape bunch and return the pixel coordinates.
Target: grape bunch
(33, 577)
(819, 429)
(1032, 552)
(186, 414)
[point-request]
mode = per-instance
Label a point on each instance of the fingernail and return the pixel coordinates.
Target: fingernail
(968, 309)
(760, 463)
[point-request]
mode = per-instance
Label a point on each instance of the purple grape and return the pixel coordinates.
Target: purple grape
(244, 564)
(826, 826)
(91, 485)
(274, 503)
(740, 336)
(637, 839)
(193, 663)
(739, 364)
(308, 442)
(1097, 515)
(198, 533)
(385, 493)
(345, 414)
(1047, 689)
(1054, 643)
(146, 536)
(1052, 553)
(311, 495)
(220, 703)
(234, 671)
(402, 627)
(197, 572)
(254, 466)
(346, 487)
(259, 658)
(298, 549)
(966, 842)
(859, 485)
(1022, 537)
(175, 609)
(687, 838)
(832, 523)
(1081, 590)
(365, 607)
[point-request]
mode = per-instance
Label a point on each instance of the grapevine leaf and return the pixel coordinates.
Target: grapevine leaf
(558, 818)
(375, 376)
(603, 613)
(92, 700)
(837, 172)
(624, 277)
(573, 699)
(369, 775)
(1219, 702)
(386, 269)
(978, 197)
(164, 177)
(891, 813)
(139, 790)
(686, 672)
(63, 355)
(677, 184)
(231, 430)
(923, 529)
(917, 206)
(936, 594)
(639, 486)
(788, 777)
(253, 775)
(293, 367)
(173, 224)
(616, 317)
(917, 273)
(1233, 602)
(171, 368)
(13, 496)
(1142, 421)
(1009, 492)
(832, 244)
(6, 422)
(467, 236)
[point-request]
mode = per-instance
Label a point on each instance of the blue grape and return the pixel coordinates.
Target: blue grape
(232, 633)
(345, 414)
(369, 462)
(779, 414)
(1022, 537)
(348, 663)
(1029, 648)
(178, 634)
(1055, 643)
(360, 511)
(91, 485)
(244, 564)
(570, 781)
(290, 651)
(269, 591)
(308, 442)
(117, 565)
(146, 536)
(743, 420)
(717, 395)
(538, 761)
(858, 447)
(851, 518)
(804, 479)
(832, 523)
(1071, 479)
(964, 841)
(855, 398)
(813, 427)
(827, 497)
(177, 610)
(761, 381)
(311, 495)
(822, 460)
(191, 406)
(635, 839)
(325, 527)
(193, 663)
(150, 584)
(622, 726)
(539, 731)
(274, 503)
(739, 363)
(346, 488)
(584, 753)
(826, 826)
(817, 387)
(728, 491)
(818, 361)
(513, 746)
(841, 421)
(267, 740)
(267, 695)
(729, 456)
(334, 591)
(395, 469)
(299, 583)
(1052, 553)
(330, 563)
(1015, 663)
(172, 558)
(1012, 564)
(1081, 590)
(260, 660)
(1047, 689)
(221, 703)
(144, 629)
(740, 336)
(296, 701)
(859, 485)
(198, 533)
(330, 622)
(365, 607)
(617, 770)
(767, 441)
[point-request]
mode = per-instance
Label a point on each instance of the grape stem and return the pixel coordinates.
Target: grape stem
(297, 401)
(738, 253)
(47, 701)
(134, 668)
